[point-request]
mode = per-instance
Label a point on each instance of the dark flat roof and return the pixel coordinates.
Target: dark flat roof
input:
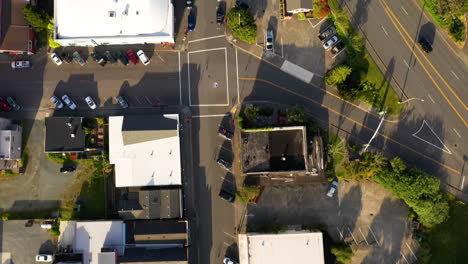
(59, 132)
(160, 256)
(14, 28)
(167, 231)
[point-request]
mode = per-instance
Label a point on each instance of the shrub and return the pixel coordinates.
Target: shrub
(338, 75)
(247, 194)
(36, 17)
(364, 169)
(296, 115)
(60, 158)
(457, 30)
(242, 24)
(342, 252)
(301, 16)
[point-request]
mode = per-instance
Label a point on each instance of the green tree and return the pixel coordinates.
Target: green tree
(450, 9)
(296, 115)
(242, 24)
(342, 252)
(36, 17)
(338, 75)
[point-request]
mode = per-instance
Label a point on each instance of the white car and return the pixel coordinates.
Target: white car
(330, 42)
(56, 59)
(269, 40)
(89, 100)
(229, 261)
(69, 102)
(142, 56)
(54, 99)
(332, 189)
(44, 258)
(20, 64)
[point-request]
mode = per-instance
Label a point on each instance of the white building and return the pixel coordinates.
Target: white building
(113, 22)
(290, 247)
(145, 150)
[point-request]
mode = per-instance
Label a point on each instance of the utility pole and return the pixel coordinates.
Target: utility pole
(377, 130)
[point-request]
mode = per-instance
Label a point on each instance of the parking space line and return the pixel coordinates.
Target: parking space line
(430, 97)
(404, 257)
(412, 253)
(363, 235)
(237, 79)
(385, 31)
(188, 72)
(406, 63)
(180, 81)
(282, 49)
(462, 183)
(338, 53)
(207, 38)
(372, 232)
(341, 234)
(351, 233)
(227, 78)
(456, 132)
(136, 98)
(229, 235)
(148, 100)
(224, 179)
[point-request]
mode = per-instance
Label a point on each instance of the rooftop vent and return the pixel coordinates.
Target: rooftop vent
(111, 13)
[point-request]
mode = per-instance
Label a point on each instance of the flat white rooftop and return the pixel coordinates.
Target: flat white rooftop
(302, 247)
(145, 150)
(113, 21)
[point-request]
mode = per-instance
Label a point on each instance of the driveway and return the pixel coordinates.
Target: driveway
(363, 214)
(24, 243)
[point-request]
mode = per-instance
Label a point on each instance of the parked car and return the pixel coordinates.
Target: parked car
(12, 102)
(99, 59)
(123, 103)
(58, 104)
(226, 165)
(23, 64)
(219, 16)
(191, 22)
(269, 40)
(69, 102)
(4, 106)
(330, 42)
(227, 260)
(109, 57)
(123, 59)
(78, 58)
(425, 45)
(338, 47)
(56, 59)
(223, 132)
(327, 33)
(29, 223)
(144, 59)
(332, 190)
(189, 3)
(66, 57)
(90, 102)
(68, 169)
(227, 196)
(132, 56)
(44, 258)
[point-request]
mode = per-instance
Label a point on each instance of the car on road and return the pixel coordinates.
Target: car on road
(338, 47)
(44, 258)
(22, 64)
(123, 59)
(332, 190)
(56, 59)
(99, 59)
(228, 196)
(142, 56)
(425, 45)
(12, 102)
(132, 57)
(68, 169)
(191, 22)
(224, 164)
(90, 102)
(326, 33)
(223, 132)
(58, 104)
(123, 103)
(78, 58)
(4, 106)
(330, 42)
(269, 40)
(109, 57)
(69, 102)
(227, 260)
(219, 16)
(189, 3)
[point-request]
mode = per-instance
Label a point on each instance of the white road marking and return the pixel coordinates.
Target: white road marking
(237, 73)
(337, 54)
(406, 63)
(180, 82)
(404, 10)
(412, 253)
(363, 235)
(385, 31)
(282, 49)
(227, 78)
(216, 115)
(454, 74)
(404, 257)
(205, 50)
(445, 149)
(188, 72)
(355, 241)
(136, 98)
(320, 22)
(462, 184)
(202, 39)
(430, 97)
(456, 132)
(372, 232)
(341, 234)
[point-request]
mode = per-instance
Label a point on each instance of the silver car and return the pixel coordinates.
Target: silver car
(330, 42)
(332, 189)
(78, 58)
(90, 102)
(69, 102)
(56, 59)
(54, 99)
(123, 103)
(269, 40)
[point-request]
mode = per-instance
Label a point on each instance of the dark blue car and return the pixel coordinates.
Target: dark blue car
(191, 22)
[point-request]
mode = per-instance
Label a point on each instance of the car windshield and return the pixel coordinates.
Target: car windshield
(269, 40)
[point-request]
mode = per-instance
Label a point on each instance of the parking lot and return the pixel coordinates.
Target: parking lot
(362, 214)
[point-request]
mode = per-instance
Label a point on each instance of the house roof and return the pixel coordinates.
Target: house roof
(299, 4)
(64, 134)
(159, 231)
(14, 30)
(177, 255)
(145, 150)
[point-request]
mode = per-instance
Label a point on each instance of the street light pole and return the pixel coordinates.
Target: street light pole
(414, 98)
(377, 130)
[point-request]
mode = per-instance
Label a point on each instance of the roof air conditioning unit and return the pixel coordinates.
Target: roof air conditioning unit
(111, 13)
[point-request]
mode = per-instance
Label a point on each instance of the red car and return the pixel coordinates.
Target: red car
(4, 106)
(132, 56)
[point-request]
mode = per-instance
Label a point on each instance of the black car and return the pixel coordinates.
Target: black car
(338, 47)
(223, 132)
(226, 165)
(68, 169)
(68, 58)
(109, 57)
(425, 45)
(219, 16)
(99, 59)
(227, 196)
(123, 59)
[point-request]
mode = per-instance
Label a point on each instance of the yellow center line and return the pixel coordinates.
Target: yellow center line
(424, 68)
(425, 57)
(352, 120)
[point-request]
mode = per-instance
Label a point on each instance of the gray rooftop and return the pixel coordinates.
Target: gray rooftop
(64, 134)
(138, 129)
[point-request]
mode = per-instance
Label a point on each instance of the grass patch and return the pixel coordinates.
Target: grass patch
(247, 194)
(45, 214)
(59, 158)
(92, 194)
(454, 26)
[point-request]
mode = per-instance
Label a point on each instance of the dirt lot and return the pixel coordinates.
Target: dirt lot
(363, 214)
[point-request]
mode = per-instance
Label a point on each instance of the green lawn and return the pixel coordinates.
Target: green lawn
(93, 196)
